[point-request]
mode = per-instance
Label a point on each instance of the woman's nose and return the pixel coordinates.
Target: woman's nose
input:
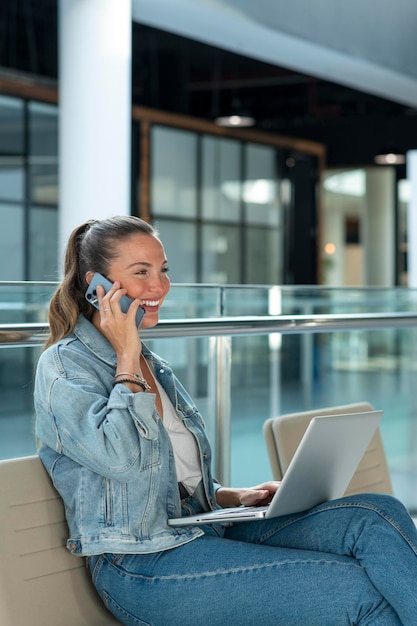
(157, 283)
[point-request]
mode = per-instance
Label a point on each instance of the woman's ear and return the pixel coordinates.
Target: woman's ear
(89, 277)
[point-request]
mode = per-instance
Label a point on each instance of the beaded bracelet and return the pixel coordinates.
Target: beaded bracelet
(137, 377)
(132, 382)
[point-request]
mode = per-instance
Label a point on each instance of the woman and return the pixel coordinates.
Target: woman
(125, 447)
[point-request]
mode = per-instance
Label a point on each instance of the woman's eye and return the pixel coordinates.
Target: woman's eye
(165, 270)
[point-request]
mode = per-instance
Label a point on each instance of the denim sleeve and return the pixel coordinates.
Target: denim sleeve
(216, 485)
(111, 431)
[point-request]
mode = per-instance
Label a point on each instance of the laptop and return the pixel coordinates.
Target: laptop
(320, 470)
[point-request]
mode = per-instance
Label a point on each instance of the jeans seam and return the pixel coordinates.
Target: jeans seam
(96, 571)
(341, 505)
(111, 603)
(235, 570)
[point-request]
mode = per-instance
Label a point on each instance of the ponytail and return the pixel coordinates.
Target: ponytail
(68, 301)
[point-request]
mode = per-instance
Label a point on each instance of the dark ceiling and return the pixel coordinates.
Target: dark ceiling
(185, 76)
(180, 75)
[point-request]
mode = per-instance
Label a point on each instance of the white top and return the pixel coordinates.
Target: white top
(186, 456)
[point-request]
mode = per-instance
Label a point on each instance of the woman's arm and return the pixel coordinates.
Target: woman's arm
(81, 415)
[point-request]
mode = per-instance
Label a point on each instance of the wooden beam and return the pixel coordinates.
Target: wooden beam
(28, 88)
(154, 116)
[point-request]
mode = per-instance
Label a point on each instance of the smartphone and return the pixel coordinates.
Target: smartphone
(125, 302)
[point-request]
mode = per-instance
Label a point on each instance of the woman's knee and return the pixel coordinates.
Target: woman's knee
(376, 500)
(386, 505)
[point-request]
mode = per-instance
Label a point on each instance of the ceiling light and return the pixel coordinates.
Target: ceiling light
(389, 158)
(235, 121)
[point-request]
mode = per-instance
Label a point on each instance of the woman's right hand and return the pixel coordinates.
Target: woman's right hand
(119, 328)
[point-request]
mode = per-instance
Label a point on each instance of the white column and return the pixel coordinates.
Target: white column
(412, 218)
(95, 110)
(379, 227)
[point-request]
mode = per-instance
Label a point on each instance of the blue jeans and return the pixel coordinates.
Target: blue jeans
(348, 561)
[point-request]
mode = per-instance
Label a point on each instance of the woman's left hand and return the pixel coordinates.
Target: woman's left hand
(248, 496)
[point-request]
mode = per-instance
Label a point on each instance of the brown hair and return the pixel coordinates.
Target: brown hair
(91, 247)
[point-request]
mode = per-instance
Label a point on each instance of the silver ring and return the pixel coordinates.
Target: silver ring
(106, 309)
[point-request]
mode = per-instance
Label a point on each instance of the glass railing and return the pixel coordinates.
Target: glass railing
(246, 354)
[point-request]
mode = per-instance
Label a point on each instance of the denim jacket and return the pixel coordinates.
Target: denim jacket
(107, 452)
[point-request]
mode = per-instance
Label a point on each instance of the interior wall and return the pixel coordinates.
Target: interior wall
(369, 260)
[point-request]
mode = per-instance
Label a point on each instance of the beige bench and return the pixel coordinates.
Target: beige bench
(41, 582)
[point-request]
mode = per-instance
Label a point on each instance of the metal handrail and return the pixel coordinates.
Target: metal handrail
(33, 334)
(220, 331)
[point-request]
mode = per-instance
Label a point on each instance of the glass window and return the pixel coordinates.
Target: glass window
(221, 179)
(11, 149)
(225, 187)
(260, 186)
(43, 244)
(12, 178)
(43, 151)
(11, 242)
(43, 174)
(180, 243)
(263, 261)
(220, 254)
(12, 138)
(173, 172)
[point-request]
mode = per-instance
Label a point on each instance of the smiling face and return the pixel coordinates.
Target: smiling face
(141, 268)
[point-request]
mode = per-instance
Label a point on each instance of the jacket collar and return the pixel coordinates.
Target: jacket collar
(96, 343)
